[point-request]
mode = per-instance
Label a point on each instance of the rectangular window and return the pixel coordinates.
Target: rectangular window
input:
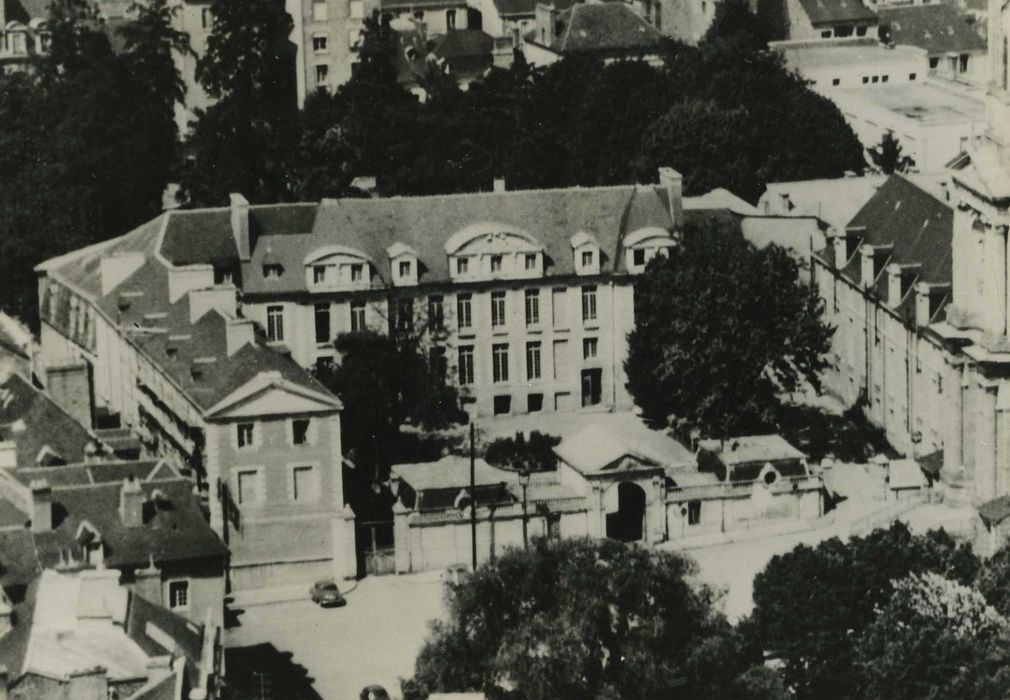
(534, 403)
(178, 595)
(463, 319)
(532, 307)
(437, 361)
(322, 72)
(357, 316)
(963, 63)
(860, 31)
(531, 261)
(911, 77)
(589, 348)
(357, 9)
(884, 78)
(497, 309)
(223, 275)
(450, 19)
(532, 361)
(589, 303)
(693, 512)
(244, 435)
(272, 272)
(357, 272)
(462, 266)
(300, 431)
(322, 322)
(404, 268)
(319, 11)
(320, 43)
(318, 274)
(559, 307)
(875, 79)
(248, 483)
(303, 484)
(500, 362)
(465, 364)
(206, 18)
(436, 316)
(405, 315)
(638, 257)
(836, 81)
(495, 263)
(587, 258)
(502, 405)
(275, 323)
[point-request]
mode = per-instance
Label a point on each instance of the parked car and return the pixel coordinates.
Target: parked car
(326, 594)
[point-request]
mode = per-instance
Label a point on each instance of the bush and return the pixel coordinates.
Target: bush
(535, 454)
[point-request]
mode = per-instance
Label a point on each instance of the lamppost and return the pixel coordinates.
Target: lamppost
(524, 481)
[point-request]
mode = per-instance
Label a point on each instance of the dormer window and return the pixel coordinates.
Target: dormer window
(404, 264)
(587, 258)
(638, 257)
(586, 253)
(404, 268)
(495, 263)
(272, 271)
(357, 273)
(335, 267)
(318, 274)
(531, 261)
(462, 266)
(641, 246)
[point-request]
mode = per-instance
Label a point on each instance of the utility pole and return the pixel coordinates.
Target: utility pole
(473, 499)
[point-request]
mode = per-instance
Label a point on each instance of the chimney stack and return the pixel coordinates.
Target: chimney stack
(499, 184)
(239, 332)
(131, 503)
(240, 224)
(42, 505)
(8, 454)
(673, 183)
(866, 271)
(223, 298)
(114, 269)
(69, 386)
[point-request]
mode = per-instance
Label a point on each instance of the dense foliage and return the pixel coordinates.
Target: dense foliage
(887, 156)
(587, 619)
(813, 605)
(534, 454)
(743, 330)
(87, 140)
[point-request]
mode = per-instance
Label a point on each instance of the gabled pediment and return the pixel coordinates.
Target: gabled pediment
(270, 395)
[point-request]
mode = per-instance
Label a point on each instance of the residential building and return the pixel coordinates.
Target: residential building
(952, 40)
(83, 636)
(683, 20)
(511, 18)
(330, 34)
(607, 30)
(853, 63)
(152, 318)
(804, 20)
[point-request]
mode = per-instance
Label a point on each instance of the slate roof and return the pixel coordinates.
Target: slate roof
(918, 226)
(995, 511)
(32, 421)
(174, 529)
(743, 458)
(463, 43)
(26, 10)
(938, 28)
(603, 27)
(836, 11)
(97, 473)
(19, 563)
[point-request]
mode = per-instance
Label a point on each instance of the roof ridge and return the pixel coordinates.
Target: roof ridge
(455, 195)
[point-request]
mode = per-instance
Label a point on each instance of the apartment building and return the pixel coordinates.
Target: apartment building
(160, 342)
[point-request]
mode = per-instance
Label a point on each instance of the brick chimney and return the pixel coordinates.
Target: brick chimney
(240, 225)
(42, 505)
(131, 503)
(239, 332)
(69, 386)
(673, 183)
(115, 268)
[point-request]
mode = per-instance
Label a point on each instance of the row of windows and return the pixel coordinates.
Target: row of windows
(303, 485)
(245, 433)
(404, 318)
(321, 13)
(500, 360)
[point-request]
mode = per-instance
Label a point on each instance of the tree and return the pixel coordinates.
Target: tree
(811, 605)
(740, 330)
(246, 141)
(993, 580)
(583, 619)
(518, 453)
(935, 639)
(735, 22)
(887, 157)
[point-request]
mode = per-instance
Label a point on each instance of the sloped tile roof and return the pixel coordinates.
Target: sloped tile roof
(834, 11)
(938, 28)
(33, 421)
(612, 26)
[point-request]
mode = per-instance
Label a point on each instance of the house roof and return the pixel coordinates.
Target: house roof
(939, 28)
(451, 471)
(910, 227)
(594, 449)
(19, 563)
(834, 11)
(752, 448)
(603, 27)
(834, 201)
(33, 421)
(85, 474)
(995, 511)
(463, 43)
(905, 474)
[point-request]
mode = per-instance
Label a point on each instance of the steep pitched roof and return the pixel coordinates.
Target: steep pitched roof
(938, 28)
(32, 421)
(911, 228)
(611, 26)
(833, 11)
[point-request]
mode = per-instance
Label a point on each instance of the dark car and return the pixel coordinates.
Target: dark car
(326, 594)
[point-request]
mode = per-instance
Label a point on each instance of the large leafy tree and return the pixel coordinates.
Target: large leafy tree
(721, 329)
(587, 619)
(935, 639)
(812, 605)
(246, 140)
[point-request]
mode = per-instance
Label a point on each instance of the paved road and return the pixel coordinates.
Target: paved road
(372, 640)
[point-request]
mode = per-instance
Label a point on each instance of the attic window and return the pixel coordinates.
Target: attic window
(273, 271)
(638, 256)
(171, 352)
(404, 268)
(587, 258)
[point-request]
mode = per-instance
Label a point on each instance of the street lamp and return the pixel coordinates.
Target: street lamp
(524, 481)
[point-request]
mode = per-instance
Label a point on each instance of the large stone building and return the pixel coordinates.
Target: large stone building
(146, 328)
(918, 289)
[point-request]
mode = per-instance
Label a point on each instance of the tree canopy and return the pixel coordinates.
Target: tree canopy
(741, 330)
(587, 619)
(887, 156)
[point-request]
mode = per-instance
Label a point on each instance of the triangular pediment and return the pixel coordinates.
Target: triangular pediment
(266, 396)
